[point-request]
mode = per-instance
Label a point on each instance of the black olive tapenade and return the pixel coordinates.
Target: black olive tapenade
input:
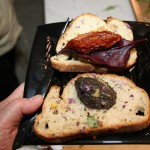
(95, 94)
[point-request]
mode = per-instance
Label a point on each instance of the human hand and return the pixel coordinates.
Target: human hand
(12, 110)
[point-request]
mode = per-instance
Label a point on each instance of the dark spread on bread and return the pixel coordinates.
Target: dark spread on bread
(95, 94)
(110, 50)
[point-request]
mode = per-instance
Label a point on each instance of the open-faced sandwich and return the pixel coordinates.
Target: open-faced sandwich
(93, 104)
(90, 44)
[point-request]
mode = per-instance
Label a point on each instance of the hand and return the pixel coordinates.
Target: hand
(12, 110)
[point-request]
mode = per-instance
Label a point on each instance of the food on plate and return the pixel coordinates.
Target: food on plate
(91, 44)
(92, 104)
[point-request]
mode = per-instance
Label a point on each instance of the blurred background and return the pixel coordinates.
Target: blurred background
(30, 14)
(59, 10)
(18, 23)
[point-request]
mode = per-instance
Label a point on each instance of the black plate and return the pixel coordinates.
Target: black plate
(140, 74)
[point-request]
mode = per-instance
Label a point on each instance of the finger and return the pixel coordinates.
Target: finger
(17, 93)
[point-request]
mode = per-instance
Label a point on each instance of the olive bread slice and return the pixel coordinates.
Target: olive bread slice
(66, 117)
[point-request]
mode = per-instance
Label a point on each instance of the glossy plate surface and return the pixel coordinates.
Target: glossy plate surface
(140, 74)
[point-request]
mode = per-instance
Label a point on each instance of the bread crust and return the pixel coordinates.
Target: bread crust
(105, 131)
(71, 65)
(100, 130)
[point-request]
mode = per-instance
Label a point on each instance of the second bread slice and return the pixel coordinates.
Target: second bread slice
(66, 118)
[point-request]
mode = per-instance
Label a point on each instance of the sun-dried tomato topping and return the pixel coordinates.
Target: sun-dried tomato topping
(93, 41)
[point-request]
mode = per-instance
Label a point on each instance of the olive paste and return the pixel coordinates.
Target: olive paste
(95, 94)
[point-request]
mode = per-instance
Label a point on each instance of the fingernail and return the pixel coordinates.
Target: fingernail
(36, 98)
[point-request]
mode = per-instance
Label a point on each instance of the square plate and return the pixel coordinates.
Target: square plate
(139, 74)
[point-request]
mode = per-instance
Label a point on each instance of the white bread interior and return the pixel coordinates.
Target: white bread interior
(65, 118)
(83, 24)
(119, 27)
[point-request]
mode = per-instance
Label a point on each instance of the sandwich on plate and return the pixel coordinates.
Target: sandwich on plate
(91, 44)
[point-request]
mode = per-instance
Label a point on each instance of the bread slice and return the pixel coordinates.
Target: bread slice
(83, 24)
(65, 118)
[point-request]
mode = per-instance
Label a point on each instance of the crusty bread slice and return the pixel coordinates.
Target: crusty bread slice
(83, 24)
(65, 118)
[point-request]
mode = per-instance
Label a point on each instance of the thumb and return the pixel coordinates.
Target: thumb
(11, 115)
(15, 110)
(31, 105)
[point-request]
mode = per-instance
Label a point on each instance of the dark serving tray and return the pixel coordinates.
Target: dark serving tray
(140, 74)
